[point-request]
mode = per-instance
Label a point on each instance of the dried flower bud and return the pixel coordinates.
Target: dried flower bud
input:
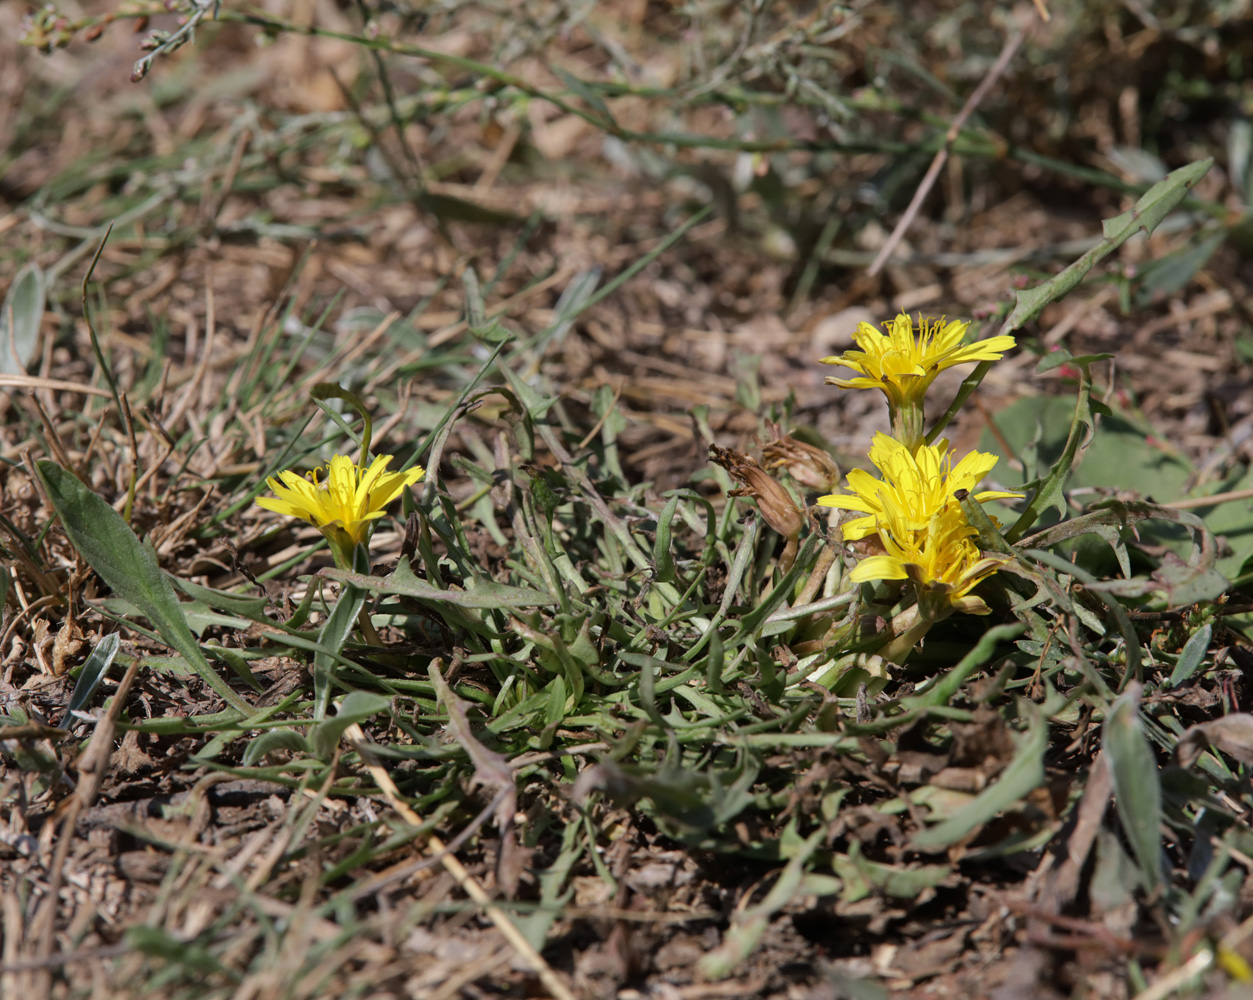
(812, 467)
(775, 503)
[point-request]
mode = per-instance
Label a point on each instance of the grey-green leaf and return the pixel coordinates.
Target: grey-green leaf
(93, 672)
(356, 707)
(129, 567)
(1191, 655)
(1024, 773)
(1137, 788)
(19, 320)
(486, 593)
(1156, 203)
(335, 632)
(275, 739)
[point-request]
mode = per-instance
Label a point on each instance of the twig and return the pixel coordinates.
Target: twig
(1190, 503)
(554, 985)
(941, 157)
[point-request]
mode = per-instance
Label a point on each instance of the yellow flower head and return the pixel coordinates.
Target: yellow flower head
(940, 559)
(343, 503)
(916, 485)
(903, 365)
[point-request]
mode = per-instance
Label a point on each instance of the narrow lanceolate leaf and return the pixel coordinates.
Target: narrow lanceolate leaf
(20, 317)
(1047, 492)
(1191, 655)
(93, 672)
(129, 567)
(486, 593)
(1147, 213)
(356, 707)
(1137, 789)
(1024, 773)
(335, 632)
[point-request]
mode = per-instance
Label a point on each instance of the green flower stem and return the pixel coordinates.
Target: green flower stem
(907, 425)
(907, 630)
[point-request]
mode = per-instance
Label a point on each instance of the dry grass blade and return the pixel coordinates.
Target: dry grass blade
(53, 384)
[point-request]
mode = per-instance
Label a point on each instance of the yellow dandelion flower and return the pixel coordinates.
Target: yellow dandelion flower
(344, 501)
(940, 559)
(916, 485)
(903, 364)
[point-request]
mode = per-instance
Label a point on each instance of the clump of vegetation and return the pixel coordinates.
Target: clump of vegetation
(402, 650)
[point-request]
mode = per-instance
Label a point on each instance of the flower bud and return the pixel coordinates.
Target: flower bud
(812, 467)
(775, 503)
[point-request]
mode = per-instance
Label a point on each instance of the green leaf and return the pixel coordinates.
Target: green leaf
(486, 593)
(1024, 773)
(900, 881)
(275, 739)
(334, 633)
(585, 91)
(356, 707)
(20, 317)
(749, 925)
(536, 402)
(1156, 203)
(129, 567)
(556, 708)
(1191, 655)
(221, 600)
(571, 304)
(1171, 273)
(662, 559)
(93, 672)
(156, 943)
(236, 660)
(1137, 788)
(1047, 492)
(323, 391)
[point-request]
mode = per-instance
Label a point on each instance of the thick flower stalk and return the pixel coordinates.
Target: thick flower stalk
(342, 501)
(916, 485)
(903, 364)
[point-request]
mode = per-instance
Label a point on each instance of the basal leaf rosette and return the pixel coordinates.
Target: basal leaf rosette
(342, 501)
(902, 363)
